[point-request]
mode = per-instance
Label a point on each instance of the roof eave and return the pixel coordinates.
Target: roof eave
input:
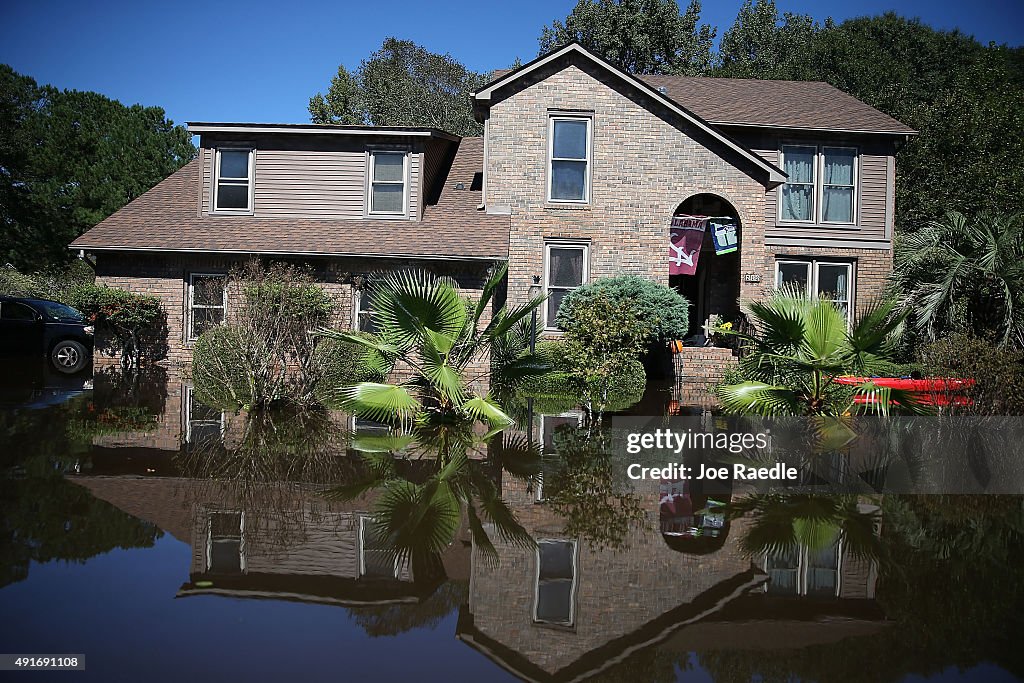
(307, 254)
(816, 129)
(200, 127)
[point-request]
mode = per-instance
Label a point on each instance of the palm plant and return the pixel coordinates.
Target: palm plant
(800, 346)
(960, 275)
(426, 326)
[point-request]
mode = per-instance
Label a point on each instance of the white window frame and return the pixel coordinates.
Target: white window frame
(813, 267)
(572, 591)
(192, 305)
(549, 325)
(357, 306)
(821, 185)
(574, 414)
(588, 160)
(241, 538)
(249, 181)
(803, 566)
(189, 397)
(371, 181)
(362, 548)
(818, 189)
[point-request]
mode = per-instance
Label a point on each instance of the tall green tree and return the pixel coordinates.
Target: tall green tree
(638, 36)
(763, 44)
(69, 159)
(964, 99)
(402, 84)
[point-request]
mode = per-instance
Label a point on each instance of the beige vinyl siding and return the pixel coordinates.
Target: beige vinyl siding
(412, 208)
(207, 155)
(872, 192)
(310, 178)
(309, 184)
(328, 544)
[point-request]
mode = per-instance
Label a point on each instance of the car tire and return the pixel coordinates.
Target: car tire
(69, 356)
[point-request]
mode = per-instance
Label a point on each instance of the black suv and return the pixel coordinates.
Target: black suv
(33, 327)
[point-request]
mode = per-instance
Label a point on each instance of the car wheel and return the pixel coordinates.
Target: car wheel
(68, 356)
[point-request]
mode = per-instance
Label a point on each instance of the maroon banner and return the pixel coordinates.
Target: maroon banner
(687, 234)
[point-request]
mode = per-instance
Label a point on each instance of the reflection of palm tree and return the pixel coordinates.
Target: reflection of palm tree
(783, 523)
(417, 521)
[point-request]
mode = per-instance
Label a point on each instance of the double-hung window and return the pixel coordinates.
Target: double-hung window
(555, 597)
(388, 182)
(839, 184)
(375, 555)
(803, 571)
(821, 187)
(566, 269)
(225, 542)
(207, 302)
(828, 280)
(233, 183)
(203, 424)
(569, 174)
(798, 192)
(363, 317)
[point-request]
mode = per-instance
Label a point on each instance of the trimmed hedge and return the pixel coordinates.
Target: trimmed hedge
(664, 308)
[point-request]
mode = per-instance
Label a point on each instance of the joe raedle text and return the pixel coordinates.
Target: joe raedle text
(780, 471)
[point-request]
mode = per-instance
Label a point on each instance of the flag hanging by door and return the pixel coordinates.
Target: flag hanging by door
(687, 234)
(724, 234)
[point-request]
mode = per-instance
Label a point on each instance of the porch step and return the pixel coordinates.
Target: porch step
(702, 364)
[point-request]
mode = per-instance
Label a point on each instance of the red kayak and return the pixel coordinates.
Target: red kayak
(938, 391)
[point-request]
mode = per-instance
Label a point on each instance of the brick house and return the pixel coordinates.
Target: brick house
(578, 176)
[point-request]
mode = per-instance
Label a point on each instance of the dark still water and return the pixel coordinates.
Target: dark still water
(167, 541)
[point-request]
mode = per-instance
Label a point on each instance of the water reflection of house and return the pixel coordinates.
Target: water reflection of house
(566, 611)
(300, 548)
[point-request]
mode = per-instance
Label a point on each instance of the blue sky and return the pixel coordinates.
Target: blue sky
(261, 61)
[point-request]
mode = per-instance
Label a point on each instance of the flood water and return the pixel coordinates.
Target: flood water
(167, 541)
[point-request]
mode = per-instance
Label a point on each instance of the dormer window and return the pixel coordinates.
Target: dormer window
(388, 183)
(233, 182)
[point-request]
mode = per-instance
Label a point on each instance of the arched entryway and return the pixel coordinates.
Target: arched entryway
(714, 288)
(692, 515)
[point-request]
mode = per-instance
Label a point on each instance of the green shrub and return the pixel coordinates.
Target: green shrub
(660, 309)
(51, 284)
(998, 372)
(266, 353)
(15, 283)
(221, 371)
(337, 364)
(563, 384)
(135, 323)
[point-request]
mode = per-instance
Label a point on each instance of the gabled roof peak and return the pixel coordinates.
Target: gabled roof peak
(774, 175)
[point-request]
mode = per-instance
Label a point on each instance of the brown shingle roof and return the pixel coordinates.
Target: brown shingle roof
(165, 219)
(812, 105)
